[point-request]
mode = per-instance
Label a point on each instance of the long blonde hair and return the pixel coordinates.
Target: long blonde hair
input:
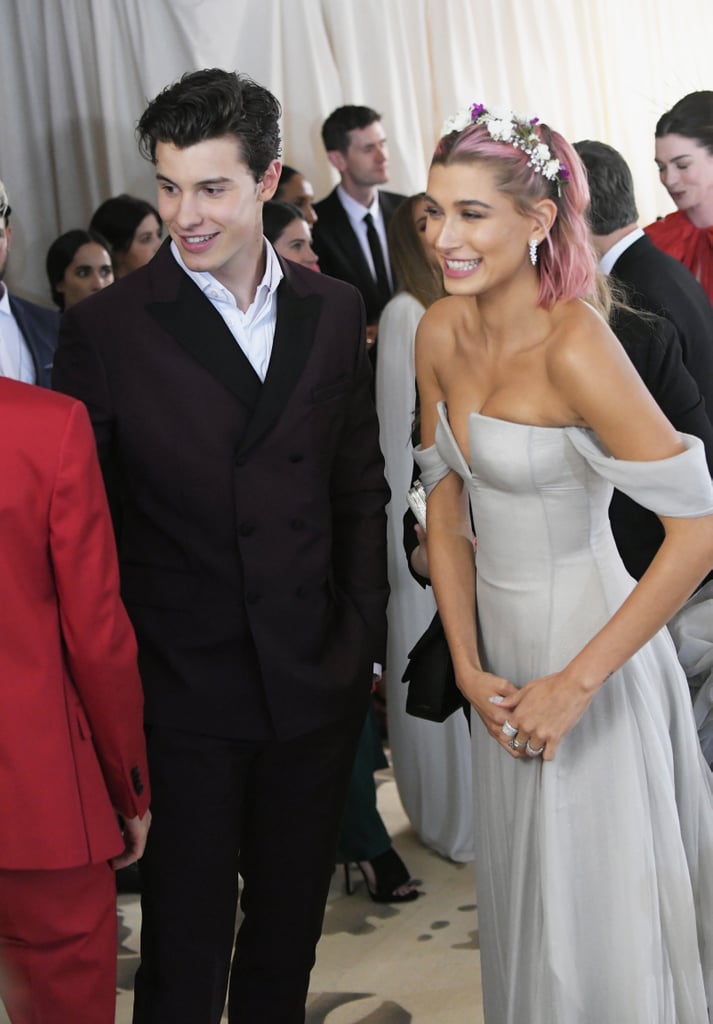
(414, 272)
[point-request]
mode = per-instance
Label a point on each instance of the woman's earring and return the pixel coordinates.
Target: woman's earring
(532, 247)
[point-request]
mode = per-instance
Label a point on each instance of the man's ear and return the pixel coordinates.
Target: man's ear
(267, 185)
(337, 159)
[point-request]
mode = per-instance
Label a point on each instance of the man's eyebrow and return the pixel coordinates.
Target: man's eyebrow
(205, 181)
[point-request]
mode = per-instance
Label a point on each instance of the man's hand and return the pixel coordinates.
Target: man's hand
(135, 831)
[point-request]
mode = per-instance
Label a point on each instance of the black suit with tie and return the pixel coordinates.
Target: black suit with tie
(658, 283)
(339, 251)
(252, 554)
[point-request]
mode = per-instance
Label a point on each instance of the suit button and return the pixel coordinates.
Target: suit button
(246, 529)
(295, 457)
(252, 597)
(297, 524)
(136, 781)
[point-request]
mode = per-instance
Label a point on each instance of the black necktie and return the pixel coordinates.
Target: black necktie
(377, 254)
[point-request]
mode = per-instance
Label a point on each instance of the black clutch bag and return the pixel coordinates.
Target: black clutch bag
(432, 690)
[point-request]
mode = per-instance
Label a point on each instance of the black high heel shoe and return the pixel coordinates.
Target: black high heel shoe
(390, 875)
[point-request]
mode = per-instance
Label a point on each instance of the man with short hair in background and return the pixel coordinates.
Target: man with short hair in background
(350, 235)
(28, 333)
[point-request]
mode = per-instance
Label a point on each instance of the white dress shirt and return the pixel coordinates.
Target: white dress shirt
(254, 330)
(356, 214)
(15, 357)
(612, 255)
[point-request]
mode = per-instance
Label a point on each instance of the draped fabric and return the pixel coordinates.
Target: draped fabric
(75, 75)
(693, 246)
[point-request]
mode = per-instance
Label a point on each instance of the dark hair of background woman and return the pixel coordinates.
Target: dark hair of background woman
(691, 117)
(276, 215)
(61, 253)
(118, 218)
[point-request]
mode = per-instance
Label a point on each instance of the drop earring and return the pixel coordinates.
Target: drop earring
(532, 249)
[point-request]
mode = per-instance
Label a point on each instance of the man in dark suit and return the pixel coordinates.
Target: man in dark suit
(28, 333)
(655, 350)
(230, 398)
(652, 280)
(671, 344)
(349, 246)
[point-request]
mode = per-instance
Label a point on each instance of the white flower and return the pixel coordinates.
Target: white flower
(551, 169)
(457, 122)
(501, 131)
(500, 113)
(541, 153)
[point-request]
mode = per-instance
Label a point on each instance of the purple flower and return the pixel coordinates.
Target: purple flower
(476, 111)
(534, 120)
(564, 172)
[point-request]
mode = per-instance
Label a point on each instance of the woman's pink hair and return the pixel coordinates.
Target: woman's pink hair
(566, 262)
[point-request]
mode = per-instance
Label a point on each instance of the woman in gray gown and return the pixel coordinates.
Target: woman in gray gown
(593, 808)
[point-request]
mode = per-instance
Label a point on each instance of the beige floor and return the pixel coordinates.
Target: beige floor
(379, 964)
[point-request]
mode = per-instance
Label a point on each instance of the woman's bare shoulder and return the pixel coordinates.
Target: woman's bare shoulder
(446, 319)
(580, 335)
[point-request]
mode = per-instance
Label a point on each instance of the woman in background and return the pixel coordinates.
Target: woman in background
(294, 188)
(286, 228)
(78, 264)
(133, 229)
(684, 156)
(431, 760)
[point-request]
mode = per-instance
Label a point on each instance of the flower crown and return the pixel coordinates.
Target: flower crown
(504, 126)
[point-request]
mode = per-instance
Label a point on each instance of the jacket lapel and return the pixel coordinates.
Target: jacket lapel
(200, 330)
(297, 318)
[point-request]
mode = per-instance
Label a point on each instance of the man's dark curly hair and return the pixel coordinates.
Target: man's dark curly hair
(211, 104)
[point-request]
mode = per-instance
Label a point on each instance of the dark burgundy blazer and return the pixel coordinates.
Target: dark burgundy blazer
(251, 516)
(340, 254)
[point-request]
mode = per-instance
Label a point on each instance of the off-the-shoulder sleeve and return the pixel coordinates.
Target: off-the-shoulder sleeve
(433, 468)
(679, 486)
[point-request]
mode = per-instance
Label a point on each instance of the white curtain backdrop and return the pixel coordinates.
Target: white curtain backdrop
(75, 76)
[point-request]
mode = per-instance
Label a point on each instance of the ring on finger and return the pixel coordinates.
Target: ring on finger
(517, 745)
(532, 751)
(509, 729)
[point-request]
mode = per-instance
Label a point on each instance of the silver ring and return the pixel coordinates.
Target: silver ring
(509, 730)
(531, 752)
(511, 744)
(517, 745)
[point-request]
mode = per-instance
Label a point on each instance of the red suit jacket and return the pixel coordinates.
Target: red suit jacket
(71, 738)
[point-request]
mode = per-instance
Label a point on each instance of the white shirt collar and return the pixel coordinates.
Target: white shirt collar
(357, 211)
(215, 291)
(612, 255)
(4, 300)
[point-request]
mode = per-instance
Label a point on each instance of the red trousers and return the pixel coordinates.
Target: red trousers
(58, 945)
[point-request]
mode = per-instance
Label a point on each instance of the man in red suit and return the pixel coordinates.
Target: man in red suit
(72, 753)
(230, 396)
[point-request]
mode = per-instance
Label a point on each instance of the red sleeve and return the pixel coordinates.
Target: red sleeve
(99, 641)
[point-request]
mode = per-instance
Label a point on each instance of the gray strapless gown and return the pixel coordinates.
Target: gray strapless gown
(595, 870)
